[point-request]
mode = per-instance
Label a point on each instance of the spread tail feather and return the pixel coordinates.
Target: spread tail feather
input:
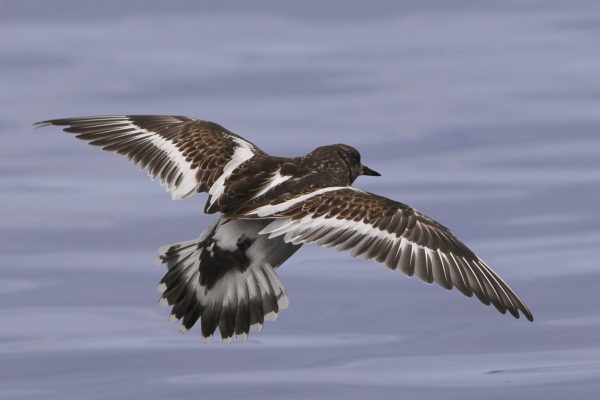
(221, 284)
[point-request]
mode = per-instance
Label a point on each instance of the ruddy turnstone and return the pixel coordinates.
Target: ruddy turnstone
(268, 208)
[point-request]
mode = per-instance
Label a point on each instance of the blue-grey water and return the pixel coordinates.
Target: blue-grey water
(484, 115)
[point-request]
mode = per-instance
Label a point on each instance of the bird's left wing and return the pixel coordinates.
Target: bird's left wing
(389, 232)
(187, 155)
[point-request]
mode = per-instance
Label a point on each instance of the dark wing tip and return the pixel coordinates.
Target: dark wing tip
(56, 122)
(525, 311)
(41, 124)
(518, 309)
(516, 306)
(516, 313)
(107, 118)
(62, 121)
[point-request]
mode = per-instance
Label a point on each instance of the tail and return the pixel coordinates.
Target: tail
(223, 278)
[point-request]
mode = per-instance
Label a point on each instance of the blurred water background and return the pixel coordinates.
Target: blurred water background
(484, 115)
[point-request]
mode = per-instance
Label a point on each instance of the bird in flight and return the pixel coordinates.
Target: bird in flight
(268, 207)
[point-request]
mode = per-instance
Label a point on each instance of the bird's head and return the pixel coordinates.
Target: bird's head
(345, 159)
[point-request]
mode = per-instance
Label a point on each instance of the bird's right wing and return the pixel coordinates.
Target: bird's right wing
(186, 154)
(389, 232)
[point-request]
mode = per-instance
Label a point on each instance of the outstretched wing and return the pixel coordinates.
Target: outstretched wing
(389, 232)
(187, 155)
